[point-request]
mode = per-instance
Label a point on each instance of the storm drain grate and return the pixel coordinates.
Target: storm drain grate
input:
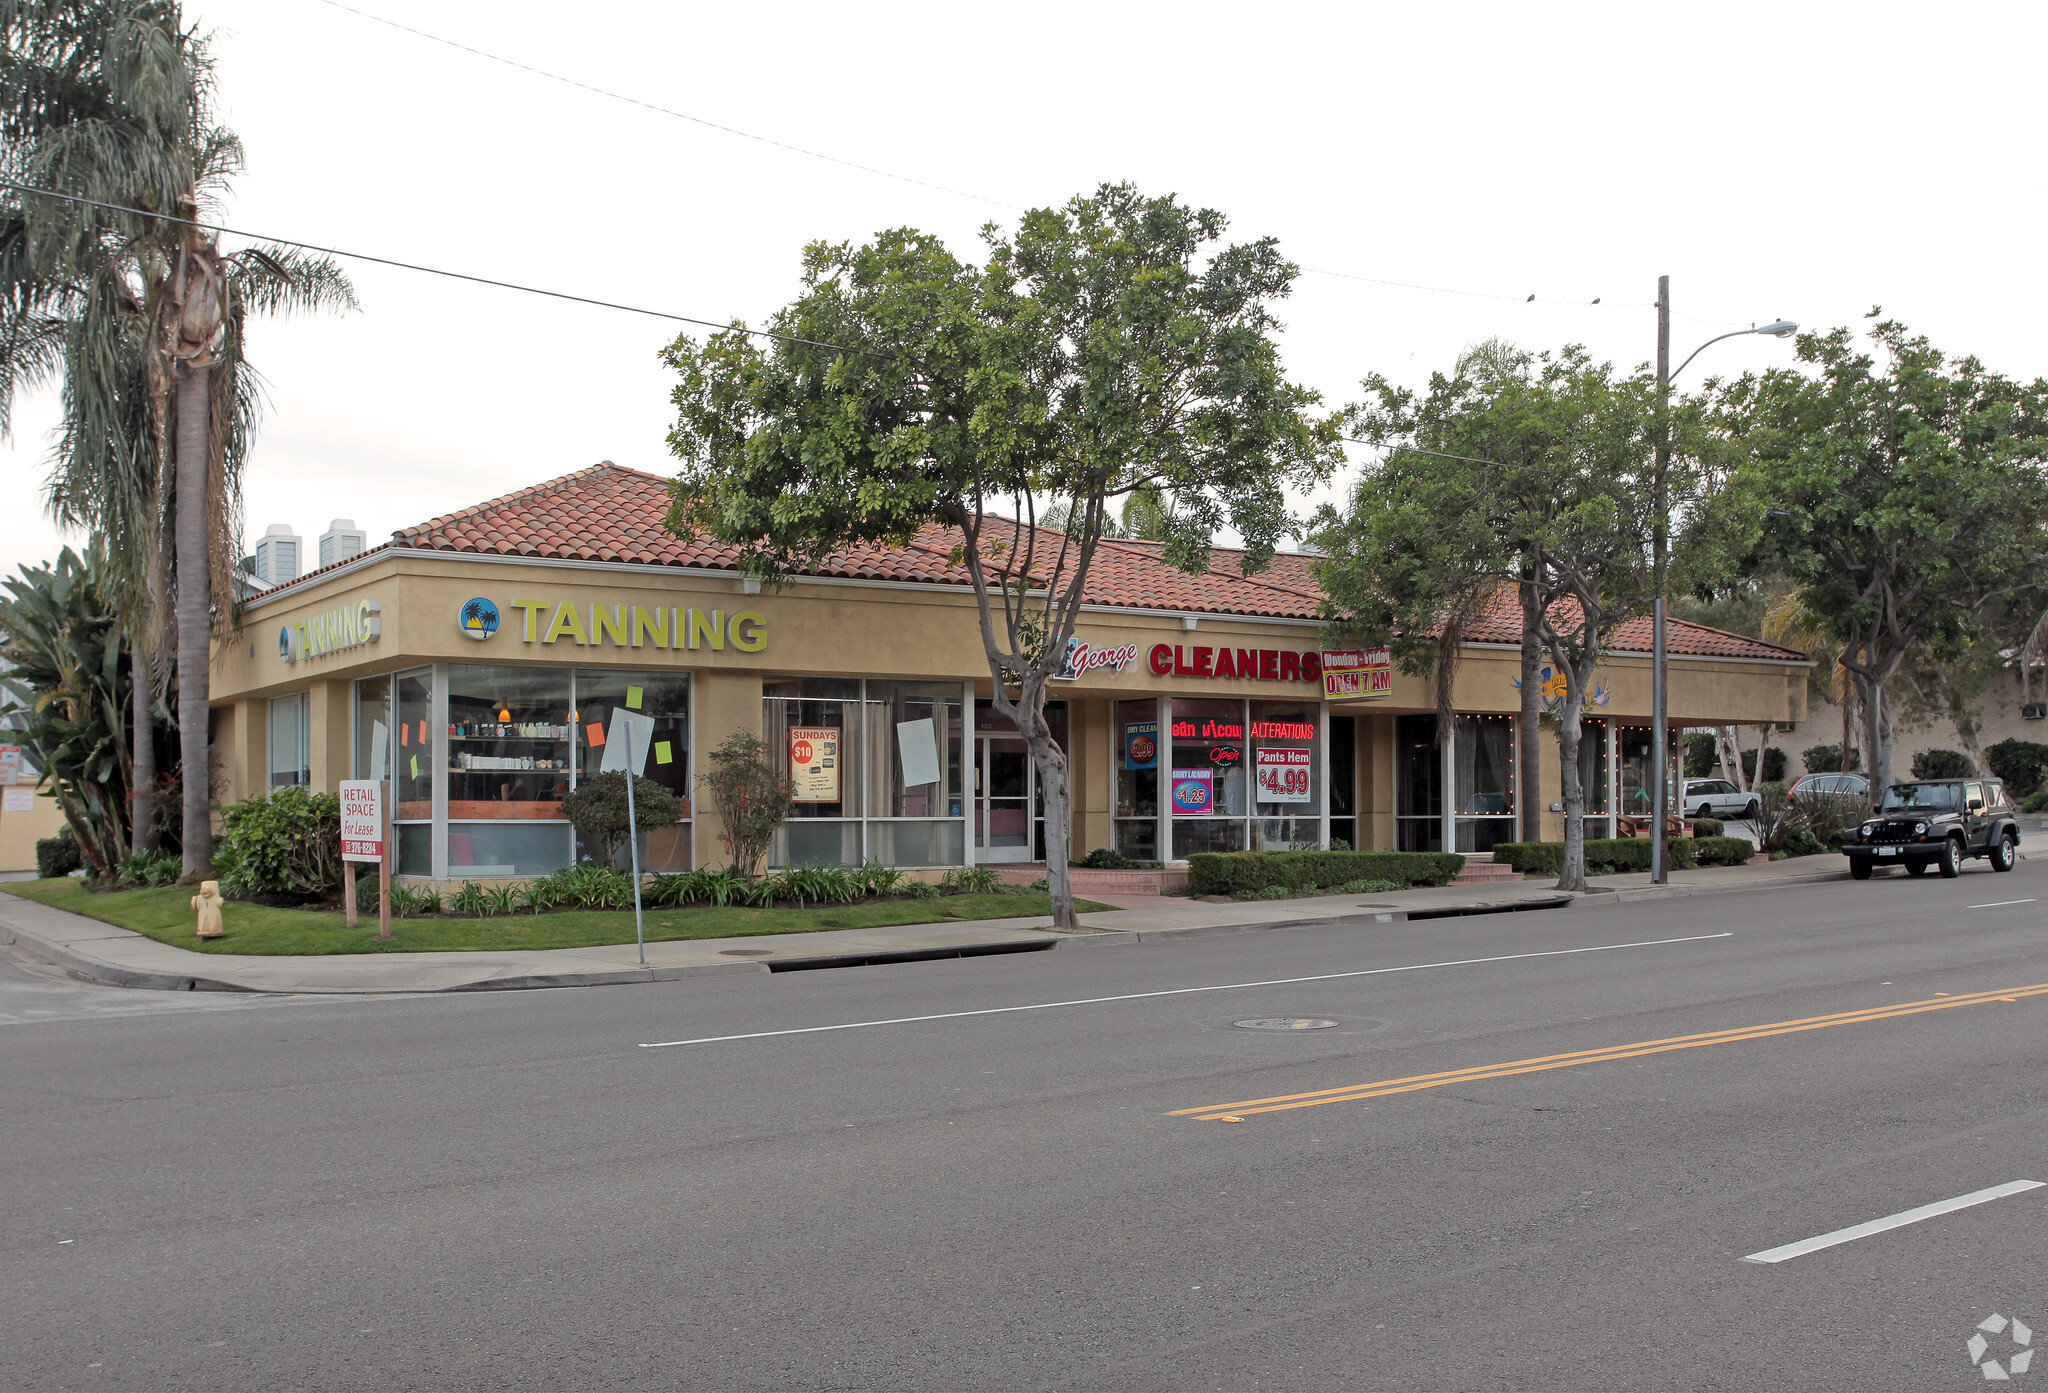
(1286, 1023)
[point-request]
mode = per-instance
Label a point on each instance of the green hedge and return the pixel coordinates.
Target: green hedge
(1604, 855)
(1228, 872)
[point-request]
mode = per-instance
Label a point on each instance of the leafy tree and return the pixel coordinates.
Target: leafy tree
(142, 314)
(1702, 751)
(1906, 500)
(1943, 764)
(2019, 764)
(752, 796)
(1107, 347)
(1827, 759)
(63, 643)
(597, 809)
(1537, 477)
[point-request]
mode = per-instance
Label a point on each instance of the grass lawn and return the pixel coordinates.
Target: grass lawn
(166, 914)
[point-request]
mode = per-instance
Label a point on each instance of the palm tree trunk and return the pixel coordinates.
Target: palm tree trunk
(142, 838)
(194, 612)
(1529, 728)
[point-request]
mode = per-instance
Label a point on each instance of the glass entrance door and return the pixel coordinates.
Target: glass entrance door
(1003, 802)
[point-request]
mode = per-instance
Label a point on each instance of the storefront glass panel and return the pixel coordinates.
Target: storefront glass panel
(510, 750)
(1286, 777)
(1484, 757)
(1637, 771)
(882, 770)
(1137, 779)
(413, 775)
(1343, 782)
(649, 713)
(371, 758)
(1594, 769)
(1208, 791)
(290, 752)
(1418, 785)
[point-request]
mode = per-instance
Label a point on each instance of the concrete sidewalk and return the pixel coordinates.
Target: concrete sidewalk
(120, 957)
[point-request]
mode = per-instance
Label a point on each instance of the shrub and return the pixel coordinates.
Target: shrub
(971, 880)
(1827, 759)
(590, 886)
(877, 879)
(2019, 763)
(410, 903)
(751, 795)
(1227, 872)
(1367, 887)
(2036, 803)
(1604, 855)
(1943, 764)
(539, 895)
(1703, 827)
(1271, 892)
(501, 899)
(921, 890)
(468, 900)
(1774, 764)
(818, 885)
(58, 855)
(287, 842)
(597, 810)
(162, 868)
(1106, 859)
(1723, 851)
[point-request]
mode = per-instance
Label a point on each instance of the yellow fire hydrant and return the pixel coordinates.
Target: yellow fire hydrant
(208, 903)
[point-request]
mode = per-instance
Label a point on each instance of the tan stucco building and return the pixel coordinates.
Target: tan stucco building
(486, 661)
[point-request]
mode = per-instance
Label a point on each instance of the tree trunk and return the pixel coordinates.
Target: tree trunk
(1730, 749)
(1569, 723)
(191, 535)
(142, 837)
(1877, 734)
(1056, 793)
(1529, 729)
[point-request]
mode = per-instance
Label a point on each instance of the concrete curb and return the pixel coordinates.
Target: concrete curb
(108, 974)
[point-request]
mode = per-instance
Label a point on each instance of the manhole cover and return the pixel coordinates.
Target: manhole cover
(1286, 1023)
(746, 952)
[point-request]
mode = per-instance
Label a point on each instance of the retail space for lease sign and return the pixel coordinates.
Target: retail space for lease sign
(362, 820)
(1357, 672)
(814, 763)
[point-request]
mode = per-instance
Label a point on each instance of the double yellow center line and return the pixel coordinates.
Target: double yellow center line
(1381, 1089)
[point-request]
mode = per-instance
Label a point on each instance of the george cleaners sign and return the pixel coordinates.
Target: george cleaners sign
(1085, 657)
(1254, 664)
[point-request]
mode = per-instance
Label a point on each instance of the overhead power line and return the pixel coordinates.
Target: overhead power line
(592, 88)
(437, 271)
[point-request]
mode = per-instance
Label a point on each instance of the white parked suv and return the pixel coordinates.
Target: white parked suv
(1717, 798)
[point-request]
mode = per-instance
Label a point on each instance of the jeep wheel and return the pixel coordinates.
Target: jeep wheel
(1916, 868)
(2004, 852)
(1859, 868)
(1951, 862)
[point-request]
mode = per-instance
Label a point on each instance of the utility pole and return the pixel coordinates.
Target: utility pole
(1660, 734)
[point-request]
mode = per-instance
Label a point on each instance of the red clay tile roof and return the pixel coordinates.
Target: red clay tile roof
(611, 513)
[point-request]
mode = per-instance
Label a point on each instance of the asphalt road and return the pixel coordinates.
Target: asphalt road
(510, 1192)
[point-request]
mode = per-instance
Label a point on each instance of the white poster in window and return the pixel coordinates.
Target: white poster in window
(380, 751)
(917, 743)
(814, 763)
(629, 729)
(1283, 776)
(18, 800)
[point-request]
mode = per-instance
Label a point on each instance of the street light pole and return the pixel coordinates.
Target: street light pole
(1660, 723)
(1660, 547)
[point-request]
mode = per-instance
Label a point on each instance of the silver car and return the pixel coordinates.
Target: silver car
(1717, 798)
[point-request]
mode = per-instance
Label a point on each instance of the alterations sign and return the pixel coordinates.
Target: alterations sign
(814, 763)
(1357, 672)
(362, 820)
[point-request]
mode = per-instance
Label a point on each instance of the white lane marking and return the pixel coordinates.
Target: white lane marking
(1894, 1221)
(1182, 991)
(1998, 904)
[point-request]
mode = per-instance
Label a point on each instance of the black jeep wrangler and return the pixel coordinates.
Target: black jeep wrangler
(1936, 822)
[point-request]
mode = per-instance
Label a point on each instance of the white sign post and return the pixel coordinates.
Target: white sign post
(362, 839)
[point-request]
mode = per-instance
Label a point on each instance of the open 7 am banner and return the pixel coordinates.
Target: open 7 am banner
(1357, 672)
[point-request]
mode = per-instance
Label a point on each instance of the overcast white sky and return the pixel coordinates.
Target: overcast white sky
(1787, 159)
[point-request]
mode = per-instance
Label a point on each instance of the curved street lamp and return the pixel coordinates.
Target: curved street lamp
(1660, 724)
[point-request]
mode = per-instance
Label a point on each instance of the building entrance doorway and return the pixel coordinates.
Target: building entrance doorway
(1003, 798)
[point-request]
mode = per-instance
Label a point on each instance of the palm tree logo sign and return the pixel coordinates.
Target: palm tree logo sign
(480, 618)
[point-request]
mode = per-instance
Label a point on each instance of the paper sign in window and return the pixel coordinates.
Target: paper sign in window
(917, 743)
(633, 698)
(664, 753)
(380, 751)
(630, 731)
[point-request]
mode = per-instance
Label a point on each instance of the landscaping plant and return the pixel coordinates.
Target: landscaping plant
(285, 842)
(752, 797)
(596, 808)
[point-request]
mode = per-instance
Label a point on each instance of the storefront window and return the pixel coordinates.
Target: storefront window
(1593, 777)
(412, 800)
(1484, 756)
(814, 728)
(648, 715)
(1207, 792)
(509, 755)
(290, 749)
(915, 793)
(371, 758)
(1418, 785)
(1137, 779)
(1286, 778)
(1344, 782)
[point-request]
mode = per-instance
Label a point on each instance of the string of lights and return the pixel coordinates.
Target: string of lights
(595, 90)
